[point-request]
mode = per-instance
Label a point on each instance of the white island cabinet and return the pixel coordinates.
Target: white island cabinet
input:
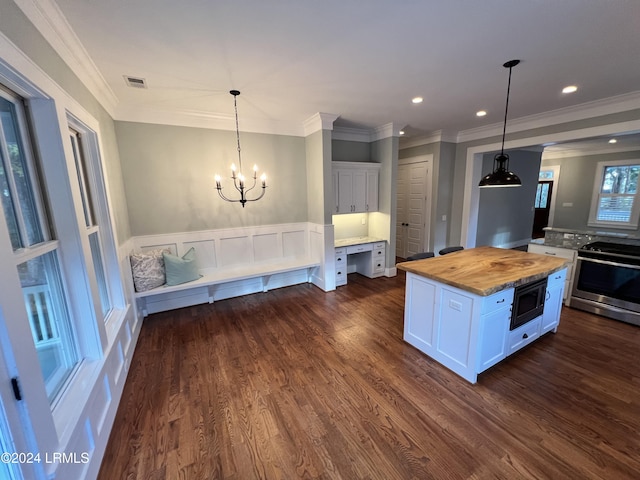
(466, 333)
(468, 329)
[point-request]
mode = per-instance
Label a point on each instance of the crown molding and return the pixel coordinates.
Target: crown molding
(597, 108)
(200, 119)
(51, 23)
(385, 131)
(584, 153)
(365, 135)
(318, 121)
(433, 137)
(351, 134)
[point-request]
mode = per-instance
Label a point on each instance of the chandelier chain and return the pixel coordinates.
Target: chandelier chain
(235, 105)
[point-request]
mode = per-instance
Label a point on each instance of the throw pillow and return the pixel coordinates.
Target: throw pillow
(181, 269)
(148, 269)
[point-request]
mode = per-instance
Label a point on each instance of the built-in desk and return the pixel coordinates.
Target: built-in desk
(364, 255)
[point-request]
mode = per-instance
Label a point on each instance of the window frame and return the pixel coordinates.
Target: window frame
(97, 216)
(634, 217)
(46, 246)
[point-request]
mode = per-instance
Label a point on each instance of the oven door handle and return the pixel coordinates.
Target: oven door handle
(607, 262)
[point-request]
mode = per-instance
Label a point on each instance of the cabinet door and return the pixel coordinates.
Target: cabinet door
(494, 330)
(345, 199)
(553, 301)
(419, 314)
(359, 191)
(372, 190)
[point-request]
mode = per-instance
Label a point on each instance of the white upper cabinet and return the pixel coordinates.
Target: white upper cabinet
(355, 186)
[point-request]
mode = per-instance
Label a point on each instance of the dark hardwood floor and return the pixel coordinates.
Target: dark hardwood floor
(298, 383)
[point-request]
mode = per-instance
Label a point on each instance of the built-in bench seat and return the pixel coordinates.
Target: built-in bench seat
(216, 279)
(234, 262)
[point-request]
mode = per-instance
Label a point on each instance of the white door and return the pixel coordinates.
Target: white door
(402, 192)
(413, 194)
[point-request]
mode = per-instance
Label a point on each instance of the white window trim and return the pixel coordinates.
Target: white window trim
(101, 203)
(633, 222)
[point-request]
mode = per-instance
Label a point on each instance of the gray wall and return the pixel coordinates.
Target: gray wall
(319, 186)
(505, 215)
(169, 178)
(350, 151)
(15, 26)
(575, 187)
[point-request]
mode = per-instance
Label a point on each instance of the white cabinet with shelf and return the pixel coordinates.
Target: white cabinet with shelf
(567, 253)
(355, 186)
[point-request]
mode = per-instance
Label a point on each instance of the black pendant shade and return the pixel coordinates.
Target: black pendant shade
(501, 176)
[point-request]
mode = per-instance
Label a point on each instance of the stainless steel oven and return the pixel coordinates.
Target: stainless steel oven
(607, 281)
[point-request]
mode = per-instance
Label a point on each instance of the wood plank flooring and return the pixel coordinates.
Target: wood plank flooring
(298, 383)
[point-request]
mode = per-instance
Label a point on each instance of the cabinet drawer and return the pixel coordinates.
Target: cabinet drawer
(378, 265)
(524, 335)
(379, 245)
(341, 251)
(367, 247)
(553, 251)
(341, 260)
(497, 301)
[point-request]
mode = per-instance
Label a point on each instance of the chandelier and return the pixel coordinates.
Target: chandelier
(501, 176)
(239, 180)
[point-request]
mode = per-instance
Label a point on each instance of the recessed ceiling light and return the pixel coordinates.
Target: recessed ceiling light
(569, 89)
(417, 100)
(401, 132)
(613, 140)
(481, 113)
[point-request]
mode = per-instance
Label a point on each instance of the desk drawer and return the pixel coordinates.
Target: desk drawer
(367, 247)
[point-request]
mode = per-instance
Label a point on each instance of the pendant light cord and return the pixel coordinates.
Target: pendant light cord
(506, 110)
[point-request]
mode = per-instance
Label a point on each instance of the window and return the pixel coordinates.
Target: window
(545, 175)
(615, 200)
(36, 251)
(542, 195)
(90, 219)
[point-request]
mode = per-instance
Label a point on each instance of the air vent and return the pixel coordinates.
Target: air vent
(135, 82)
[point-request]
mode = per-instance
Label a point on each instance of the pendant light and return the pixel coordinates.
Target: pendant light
(501, 176)
(238, 178)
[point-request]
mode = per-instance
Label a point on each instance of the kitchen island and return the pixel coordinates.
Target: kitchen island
(459, 307)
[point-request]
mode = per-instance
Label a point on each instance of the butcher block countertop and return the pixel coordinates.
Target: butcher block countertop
(485, 270)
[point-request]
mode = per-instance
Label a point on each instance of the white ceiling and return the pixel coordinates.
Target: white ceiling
(361, 60)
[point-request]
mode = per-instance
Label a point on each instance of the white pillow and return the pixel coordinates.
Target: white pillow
(148, 269)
